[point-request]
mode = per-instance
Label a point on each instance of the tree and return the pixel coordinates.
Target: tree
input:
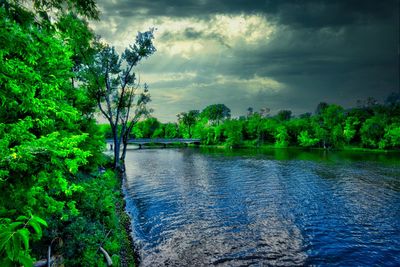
(391, 137)
(233, 133)
(372, 131)
(281, 137)
(188, 119)
(393, 99)
(284, 115)
(320, 108)
(150, 126)
(264, 112)
(87, 9)
(252, 127)
(350, 129)
(306, 115)
(306, 140)
(216, 112)
(250, 111)
(43, 143)
(170, 130)
(115, 87)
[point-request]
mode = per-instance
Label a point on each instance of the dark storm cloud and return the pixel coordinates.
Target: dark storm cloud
(310, 13)
(321, 50)
(193, 34)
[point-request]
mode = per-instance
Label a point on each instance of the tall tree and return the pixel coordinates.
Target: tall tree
(216, 112)
(116, 89)
(188, 119)
(42, 146)
(284, 115)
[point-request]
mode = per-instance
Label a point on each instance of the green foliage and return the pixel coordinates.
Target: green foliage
(350, 129)
(284, 115)
(372, 131)
(188, 119)
(15, 236)
(113, 84)
(253, 127)
(281, 137)
(171, 130)
(233, 133)
(96, 223)
(392, 137)
(49, 140)
(216, 113)
(371, 125)
(306, 140)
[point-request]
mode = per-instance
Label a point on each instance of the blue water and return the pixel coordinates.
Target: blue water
(200, 208)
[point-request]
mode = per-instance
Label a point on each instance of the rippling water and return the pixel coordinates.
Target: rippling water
(202, 208)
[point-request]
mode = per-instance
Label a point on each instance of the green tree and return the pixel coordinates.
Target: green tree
(188, 119)
(115, 87)
(216, 113)
(171, 130)
(281, 137)
(43, 143)
(233, 133)
(268, 130)
(306, 140)
(295, 126)
(253, 127)
(350, 128)
(320, 108)
(326, 124)
(372, 131)
(391, 137)
(284, 115)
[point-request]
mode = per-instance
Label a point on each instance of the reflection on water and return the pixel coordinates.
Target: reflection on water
(193, 207)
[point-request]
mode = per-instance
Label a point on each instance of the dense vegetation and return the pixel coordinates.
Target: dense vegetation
(54, 190)
(369, 125)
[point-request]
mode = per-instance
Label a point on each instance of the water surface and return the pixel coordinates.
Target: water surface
(193, 207)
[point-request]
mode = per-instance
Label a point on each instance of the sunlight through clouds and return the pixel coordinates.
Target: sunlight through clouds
(257, 53)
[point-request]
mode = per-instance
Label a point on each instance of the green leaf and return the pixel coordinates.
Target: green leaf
(15, 224)
(16, 245)
(24, 234)
(22, 218)
(36, 227)
(25, 260)
(40, 220)
(9, 250)
(4, 237)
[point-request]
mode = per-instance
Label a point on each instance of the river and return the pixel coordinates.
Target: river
(200, 207)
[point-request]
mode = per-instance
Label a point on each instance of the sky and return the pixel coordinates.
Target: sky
(262, 54)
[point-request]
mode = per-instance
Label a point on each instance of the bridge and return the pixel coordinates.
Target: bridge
(159, 141)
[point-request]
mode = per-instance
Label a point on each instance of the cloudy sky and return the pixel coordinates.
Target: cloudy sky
(260, 53)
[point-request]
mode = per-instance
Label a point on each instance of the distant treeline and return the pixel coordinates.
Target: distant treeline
(369, 125)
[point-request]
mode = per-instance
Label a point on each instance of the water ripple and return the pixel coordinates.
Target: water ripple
(195, 209)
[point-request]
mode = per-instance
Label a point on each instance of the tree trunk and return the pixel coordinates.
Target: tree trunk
(124, 147)
(117, 149)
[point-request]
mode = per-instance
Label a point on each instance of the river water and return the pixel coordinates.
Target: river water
(196, 207)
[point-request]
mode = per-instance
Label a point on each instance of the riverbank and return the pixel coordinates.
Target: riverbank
(97, 232)
(248, 145)
(127, 252)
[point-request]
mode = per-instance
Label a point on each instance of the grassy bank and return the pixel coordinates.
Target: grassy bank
(99, 221)
(252, 145)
